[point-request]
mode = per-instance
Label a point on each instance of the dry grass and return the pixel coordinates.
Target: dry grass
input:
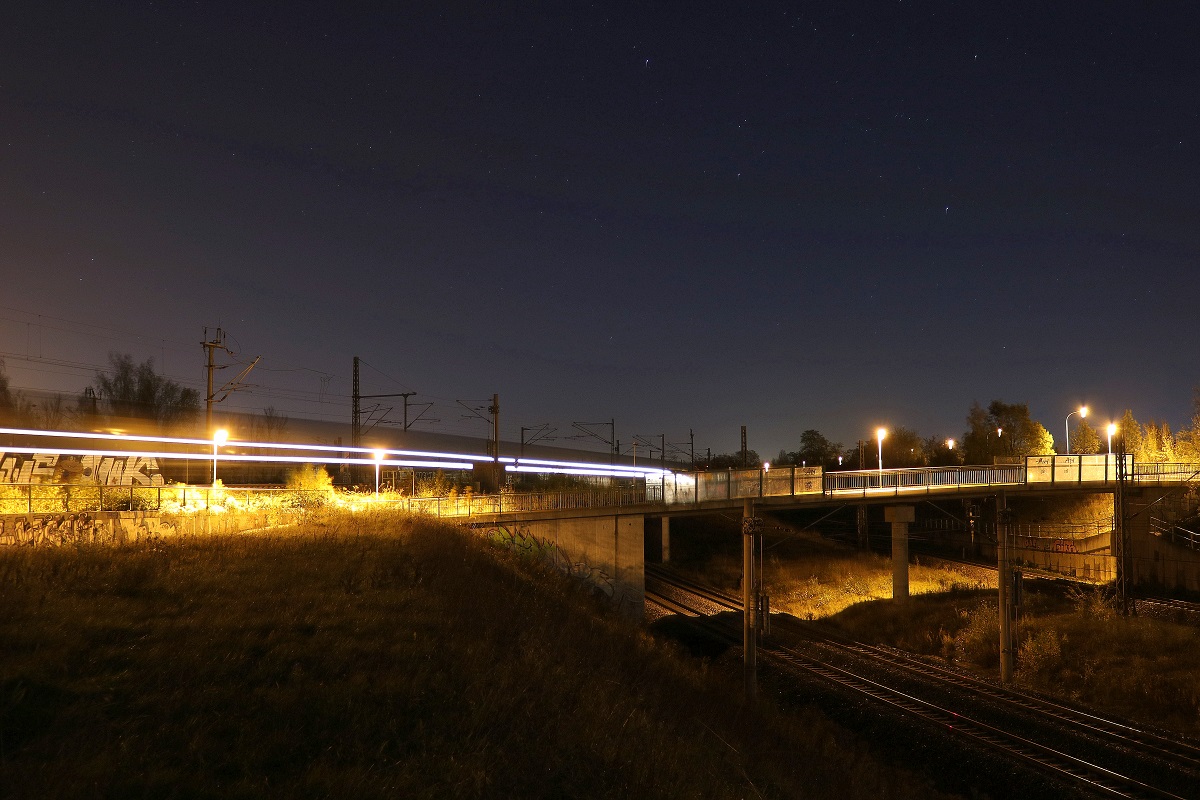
(371, 656)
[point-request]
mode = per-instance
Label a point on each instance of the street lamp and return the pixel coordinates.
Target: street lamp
(949, 444)
(378, 459)
(1112, 428)
(880, 435)
(219, 438)
(1082, 412)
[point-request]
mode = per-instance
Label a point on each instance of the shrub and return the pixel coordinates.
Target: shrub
(311, 486)
(1040, 655)
(978, 640)
(1097, 602)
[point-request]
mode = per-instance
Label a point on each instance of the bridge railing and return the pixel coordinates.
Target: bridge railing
(1157, 472)
(699, 487)
(1100, 468)
(1176, 535)
(902, 481)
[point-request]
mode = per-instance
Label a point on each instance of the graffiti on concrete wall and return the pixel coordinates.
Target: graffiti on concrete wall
(102, 470)
(51, 530)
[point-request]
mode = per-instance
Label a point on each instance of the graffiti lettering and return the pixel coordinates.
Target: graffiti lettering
(56, 530)
(102, 470)
(1064, 546)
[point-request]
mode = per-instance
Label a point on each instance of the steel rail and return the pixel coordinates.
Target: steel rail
(1077, 770)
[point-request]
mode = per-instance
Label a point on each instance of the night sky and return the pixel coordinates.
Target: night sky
(680, 215)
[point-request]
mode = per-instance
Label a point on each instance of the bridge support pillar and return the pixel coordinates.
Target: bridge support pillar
(900, 517)
(666, 539)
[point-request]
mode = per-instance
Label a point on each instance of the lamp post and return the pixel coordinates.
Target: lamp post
(1082, 412)
(219, 438)
(1112, 428)
(880, 435)
(378, 461)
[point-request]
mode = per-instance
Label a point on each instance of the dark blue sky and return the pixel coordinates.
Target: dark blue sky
(695, 215)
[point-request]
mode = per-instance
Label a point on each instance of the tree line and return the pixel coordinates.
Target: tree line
(998, 432)
(126, 391)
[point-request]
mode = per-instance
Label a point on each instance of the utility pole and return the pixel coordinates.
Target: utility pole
(1123, 542)
(210, 396)
(540, 433)
(497, 469)
(356, 426)
(1004, 576)
(692, 444)
(356, 411)
(745, 457)
(210, 346)
(406, 395)
(355, 422)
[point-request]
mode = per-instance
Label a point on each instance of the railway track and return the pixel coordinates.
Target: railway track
(1169, 608)
(1164, 607)
(1099, 755)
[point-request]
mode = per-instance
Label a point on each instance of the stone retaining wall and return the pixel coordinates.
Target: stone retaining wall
(127, 527)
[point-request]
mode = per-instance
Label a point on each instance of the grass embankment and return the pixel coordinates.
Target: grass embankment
(371, 656)
(1072, 645)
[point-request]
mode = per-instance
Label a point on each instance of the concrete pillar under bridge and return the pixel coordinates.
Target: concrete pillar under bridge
(900, 517)
(658, 539)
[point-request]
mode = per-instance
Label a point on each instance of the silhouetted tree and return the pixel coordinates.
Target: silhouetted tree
(902, 447)
(732, 460)
(15, 409)
(6, 396)
(269, 426)
(818, 451)
(939, 454)
(1004, 429)
(136, 391)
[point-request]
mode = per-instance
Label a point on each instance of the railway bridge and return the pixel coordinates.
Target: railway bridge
(610, 535)
(602, 532)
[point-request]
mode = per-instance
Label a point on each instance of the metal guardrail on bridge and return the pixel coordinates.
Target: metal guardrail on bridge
(696, 488)
(701, 487)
